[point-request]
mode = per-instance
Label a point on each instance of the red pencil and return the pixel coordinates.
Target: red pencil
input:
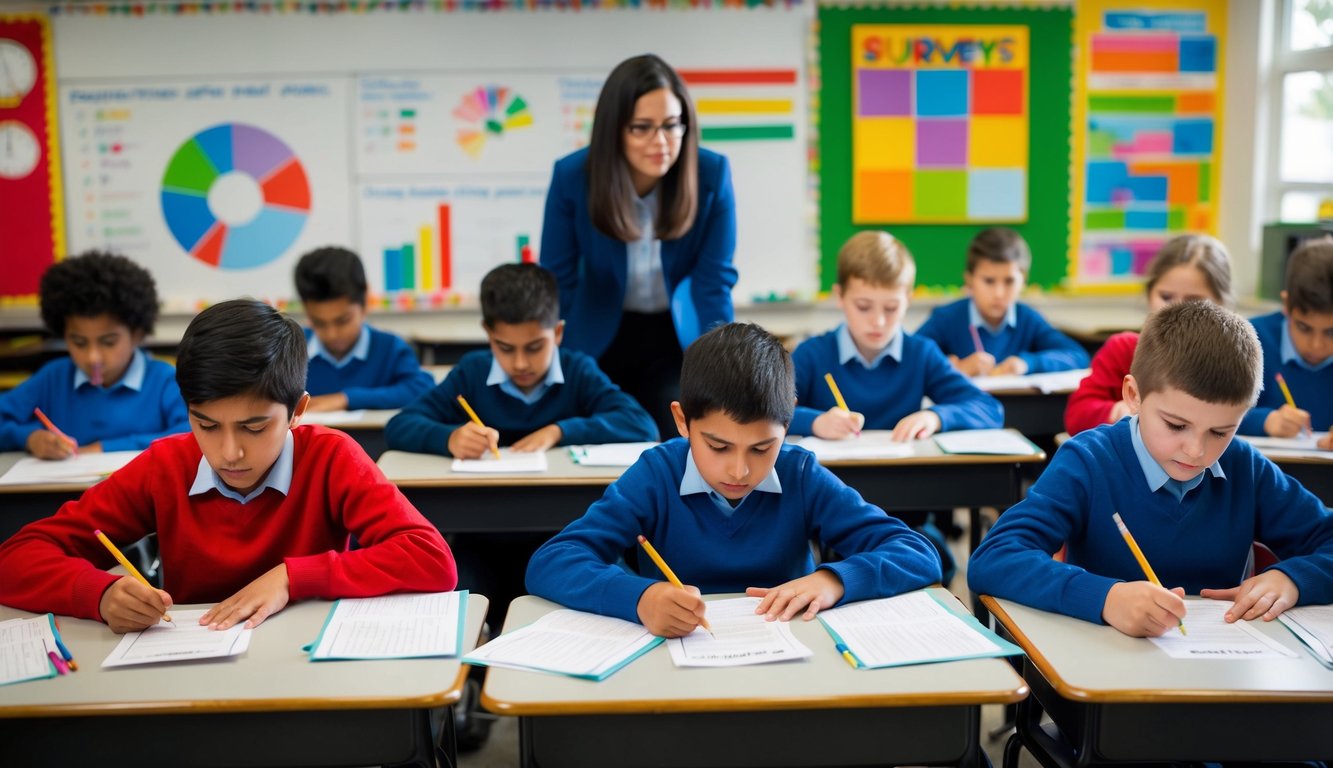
(55, 430)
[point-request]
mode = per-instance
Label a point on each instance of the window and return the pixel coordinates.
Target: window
(1301, 174)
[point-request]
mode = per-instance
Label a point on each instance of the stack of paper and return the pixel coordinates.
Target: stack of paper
(739, 637)
(910, 629)
(878, 444)
(1046, 383)
(609, 455)
(1313, 624)
(182, 639)
(1209, 636)
(83, 468)
(332, 417)
(568, 642)
(997, 442)
(393, 627)
(1288, 447)
(24, 645)
(509, 461)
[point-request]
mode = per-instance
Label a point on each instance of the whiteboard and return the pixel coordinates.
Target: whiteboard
(424, 140)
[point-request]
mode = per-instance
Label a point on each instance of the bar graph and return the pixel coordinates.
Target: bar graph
(422, 266)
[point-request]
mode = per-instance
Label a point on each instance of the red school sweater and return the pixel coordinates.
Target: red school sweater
(1090, 405)
(212, 546)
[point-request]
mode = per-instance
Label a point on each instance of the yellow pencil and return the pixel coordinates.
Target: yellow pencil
(666, 571)
(120, 558)
(1138, 555)
(476, 420)
(1281, 382)
(833, 387)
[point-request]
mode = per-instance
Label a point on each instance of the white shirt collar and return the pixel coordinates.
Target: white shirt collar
(554, 375)
(974, 318)
(847, 350)
(359, 351)
(279, 477)
(692, 482)
(132, 379)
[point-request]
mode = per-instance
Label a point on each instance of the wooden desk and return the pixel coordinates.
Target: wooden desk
(1115, 698)
(270, 706)
(22, 504)
(458, 502)
(367, 430)
(817, 711)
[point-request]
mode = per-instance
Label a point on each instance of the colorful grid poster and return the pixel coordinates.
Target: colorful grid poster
(1148, 106)
(939, 123)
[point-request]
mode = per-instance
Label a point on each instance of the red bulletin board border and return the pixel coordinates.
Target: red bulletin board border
(32, 231)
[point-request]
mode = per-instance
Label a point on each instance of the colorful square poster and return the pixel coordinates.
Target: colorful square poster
(1147, 137)
(939, 123)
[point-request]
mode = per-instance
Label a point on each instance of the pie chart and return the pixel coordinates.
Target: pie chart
(235, 196)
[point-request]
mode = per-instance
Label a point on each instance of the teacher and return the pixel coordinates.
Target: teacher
(640, 230)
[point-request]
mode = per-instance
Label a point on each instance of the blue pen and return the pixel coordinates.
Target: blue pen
(64, 650)
(847, 654)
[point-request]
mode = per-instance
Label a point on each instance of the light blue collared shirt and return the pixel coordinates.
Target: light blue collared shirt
(554, 375)
(693, 482)
(645, 288)
(279, 477)
(974, 317)
(133, 377)
(359, 351)
(1289, 354)
(1157, 477)
(847, 350)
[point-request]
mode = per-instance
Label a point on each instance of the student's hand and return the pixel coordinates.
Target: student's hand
(128, 605)
(470, 441)
(1286, 421)
(1010, 366)
(1143, 609)
(1267, 594)
(91, 447)
(835, 424)
(915, 426)
(256, 601)
(669, 611)
(47, 445)
(1326, 442)
(1118, 411)
(976, 364)
(811, 594)
(334, 402)
(540, 440)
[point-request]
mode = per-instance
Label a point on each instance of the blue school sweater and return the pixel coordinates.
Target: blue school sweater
(1032, 338)
(763, 543)
(122, 417)
(1201, 541)
(890, 390)
(1312, 390)
(587, 407)
(389, 377)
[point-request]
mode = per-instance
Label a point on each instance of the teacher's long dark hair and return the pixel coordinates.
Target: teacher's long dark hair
(611, 191)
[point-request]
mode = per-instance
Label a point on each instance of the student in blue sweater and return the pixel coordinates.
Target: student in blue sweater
(1194, 498)
(352, 365)
(881, 370)
(1015, 338)
(1298, 343)
(731, 507)
(107, 395)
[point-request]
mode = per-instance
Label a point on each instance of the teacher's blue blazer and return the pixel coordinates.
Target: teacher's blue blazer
(590, 267)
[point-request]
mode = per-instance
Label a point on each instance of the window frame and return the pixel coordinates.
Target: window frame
(1287, 61)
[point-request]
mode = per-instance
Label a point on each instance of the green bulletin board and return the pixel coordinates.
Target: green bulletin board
(940, 249)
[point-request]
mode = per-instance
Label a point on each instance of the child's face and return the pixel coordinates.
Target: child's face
(101, 346)
(241, 436)
(874, 312)
(524, 350)
(1182, 283)
(1311, 333)
(337, 323)
(651, 155)
(1182, 433)
(994, 286)
(732, 457)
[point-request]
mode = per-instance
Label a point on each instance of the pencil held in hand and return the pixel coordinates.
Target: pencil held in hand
(126, 564)
(1138, 555)
(666, 571)
(476, 420)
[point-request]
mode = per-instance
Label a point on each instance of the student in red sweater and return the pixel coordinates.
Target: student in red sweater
(251, 512)
(1187, 268)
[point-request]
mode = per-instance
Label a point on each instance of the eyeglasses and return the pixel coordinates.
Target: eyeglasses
(672, 129)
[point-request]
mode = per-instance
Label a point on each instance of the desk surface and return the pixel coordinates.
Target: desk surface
(351, 420)
(274, 674)
(1094, 663)
(428, 470)
(651, 684)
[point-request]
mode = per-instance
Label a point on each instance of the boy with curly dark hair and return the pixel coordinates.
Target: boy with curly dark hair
(107, 395)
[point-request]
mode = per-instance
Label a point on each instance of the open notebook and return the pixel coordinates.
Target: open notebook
(568, 642)
(83, 468)
(912, 628)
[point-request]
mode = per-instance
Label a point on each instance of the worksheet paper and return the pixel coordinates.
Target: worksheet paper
(1289, 447)
(568, 642)
(1046, 383)
(608, 455)
(182, 639)
(392, 627)
(998, 442)
(332, 417)
(83, 468)
(876, 444)
(509, 461)
(1313, 624)
(908, 629)
(739, 637)
(24, 644)
(1209, 636)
